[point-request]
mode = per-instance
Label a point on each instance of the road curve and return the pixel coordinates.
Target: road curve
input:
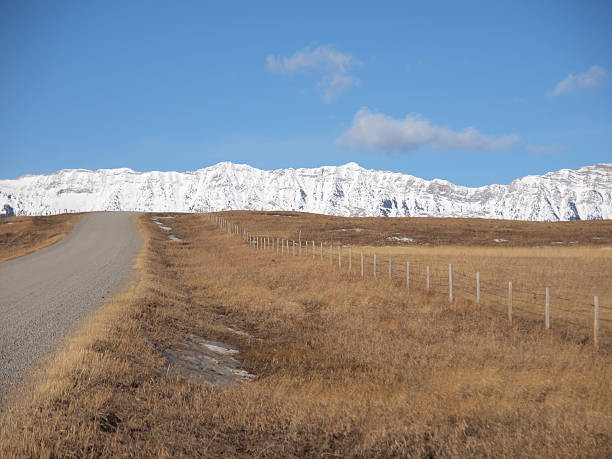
(42, 295)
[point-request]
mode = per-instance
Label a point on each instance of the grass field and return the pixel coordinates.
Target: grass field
(22, 235)
(344, 366)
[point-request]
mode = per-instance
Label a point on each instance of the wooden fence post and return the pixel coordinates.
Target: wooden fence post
(510, 302)
(350, 258)
(596, 322)
(293, 248)
(313, 250)
(331, 253)
(306, 247)
(428, 278)
(339, 256)
(478, 288)
(374, 266)
(361, 262)
(408, 275)
(451, 297)
(300, 248)
(390, 270)
(321, 251)
(547, 317)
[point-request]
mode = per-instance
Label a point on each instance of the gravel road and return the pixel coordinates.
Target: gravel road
(43, 295)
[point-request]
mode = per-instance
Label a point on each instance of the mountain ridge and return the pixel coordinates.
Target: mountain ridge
(348, 190)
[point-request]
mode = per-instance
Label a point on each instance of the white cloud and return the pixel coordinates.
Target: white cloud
(330, 65)
(377, 130)
(590, 79)
(545, 149)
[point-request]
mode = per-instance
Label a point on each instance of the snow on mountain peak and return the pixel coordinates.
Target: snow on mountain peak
(348, 190)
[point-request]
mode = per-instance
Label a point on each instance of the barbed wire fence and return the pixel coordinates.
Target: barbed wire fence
(513, 298)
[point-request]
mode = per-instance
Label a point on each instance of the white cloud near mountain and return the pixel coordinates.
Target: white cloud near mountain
(373, 130)
(330, 65)
(545, 149)
(591, 79)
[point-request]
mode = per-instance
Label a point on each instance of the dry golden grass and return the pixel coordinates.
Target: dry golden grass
(529, 255)
(22, 235)
(345, 367)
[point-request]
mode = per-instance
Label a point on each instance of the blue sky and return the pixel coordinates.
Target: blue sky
(472, 92)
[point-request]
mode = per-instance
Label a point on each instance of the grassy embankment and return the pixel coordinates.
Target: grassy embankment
(22, 235)
(344, 366)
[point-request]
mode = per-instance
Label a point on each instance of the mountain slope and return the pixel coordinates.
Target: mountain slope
(349, 190)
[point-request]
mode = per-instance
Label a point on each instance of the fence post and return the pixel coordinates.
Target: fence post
(350, 258)
(331, 253)
(282, 246)
(374, 266)
(408, 275)
(510, 302)
(547, 317)
(596, 323)
(277, 246)
(300, 248)
(390, 269)
(361, 262)
(450, 283)
(339, 256)
(428, 278)
(321, 251)
(313, 250)
(293, 248)
(306, 248)
(478, 288)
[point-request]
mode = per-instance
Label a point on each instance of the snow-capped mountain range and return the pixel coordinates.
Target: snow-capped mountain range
(349, 190)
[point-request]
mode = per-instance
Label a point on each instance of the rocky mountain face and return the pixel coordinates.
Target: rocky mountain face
(349, 190)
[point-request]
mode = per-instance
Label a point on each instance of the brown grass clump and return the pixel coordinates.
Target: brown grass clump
(345, 367)
(22, 235)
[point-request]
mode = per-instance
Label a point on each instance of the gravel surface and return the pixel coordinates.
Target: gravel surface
(43, 295)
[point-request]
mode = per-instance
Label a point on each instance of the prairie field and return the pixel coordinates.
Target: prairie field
(343, 365)
(22, 235)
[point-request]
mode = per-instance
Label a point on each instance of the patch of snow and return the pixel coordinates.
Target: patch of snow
(357, 230)
(165, 228)
(220, 350)
(400, 239)
(558, 243)
(500, 240)
(243, 374)
(172, 237)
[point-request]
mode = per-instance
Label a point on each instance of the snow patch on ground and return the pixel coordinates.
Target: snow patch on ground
(166, 228)
(220, 349)
(172, 237)
(400, 239)
(500, 240)
(357, 230)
